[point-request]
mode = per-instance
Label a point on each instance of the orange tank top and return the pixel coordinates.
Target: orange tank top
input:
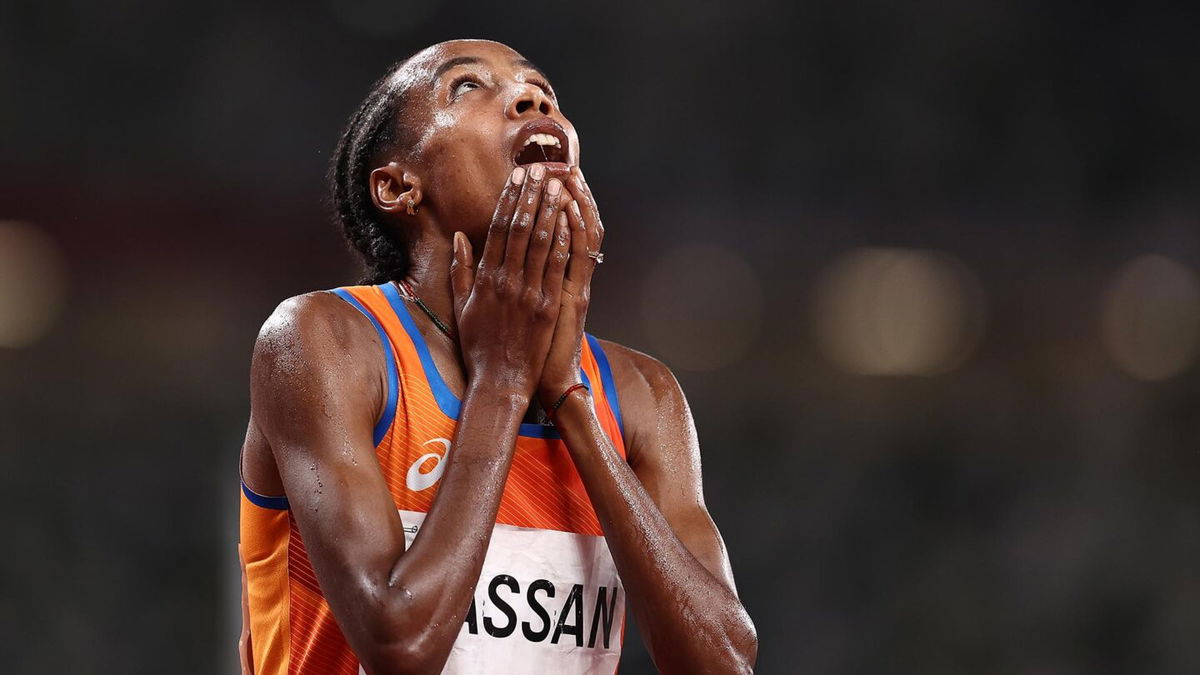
(548, 599)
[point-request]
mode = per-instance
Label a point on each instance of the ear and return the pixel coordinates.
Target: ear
(395, 190)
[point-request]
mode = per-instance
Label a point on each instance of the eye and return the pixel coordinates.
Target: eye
(462, 84)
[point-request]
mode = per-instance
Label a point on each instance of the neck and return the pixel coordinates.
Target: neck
(429, 276)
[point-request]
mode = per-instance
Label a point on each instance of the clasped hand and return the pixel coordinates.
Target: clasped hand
(521, 310)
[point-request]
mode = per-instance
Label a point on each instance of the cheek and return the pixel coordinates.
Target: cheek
(467, 195)
(468, 167)
(467, 180)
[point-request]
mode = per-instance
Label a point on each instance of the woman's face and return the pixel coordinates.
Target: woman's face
(478, 110)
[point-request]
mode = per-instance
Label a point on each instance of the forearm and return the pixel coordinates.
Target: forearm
(691, 620)
(432, 583)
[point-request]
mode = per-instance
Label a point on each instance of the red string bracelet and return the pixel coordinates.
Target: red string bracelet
(562, 399)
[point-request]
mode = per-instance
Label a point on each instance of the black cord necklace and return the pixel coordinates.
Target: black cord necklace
(411, 296)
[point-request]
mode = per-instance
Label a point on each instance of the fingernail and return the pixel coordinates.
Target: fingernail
(457, 243)
(563, 229)
(518, 175)
(537, 172)
(578, 215)
(553, 187)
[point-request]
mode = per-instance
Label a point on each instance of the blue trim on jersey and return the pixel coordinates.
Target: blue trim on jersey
(448, 403)
(278, 503)
(393, 378)
(606, 378)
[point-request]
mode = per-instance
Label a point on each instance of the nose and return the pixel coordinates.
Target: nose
(529, 97)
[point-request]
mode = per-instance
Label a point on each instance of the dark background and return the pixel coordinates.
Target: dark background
(1027, 506)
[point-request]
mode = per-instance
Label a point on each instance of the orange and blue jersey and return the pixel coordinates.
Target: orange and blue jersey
(548, 598)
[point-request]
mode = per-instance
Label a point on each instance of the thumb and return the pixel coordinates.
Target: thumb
(462, 272)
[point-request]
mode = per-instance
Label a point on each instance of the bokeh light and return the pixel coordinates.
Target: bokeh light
(702, 306)
(883, 311)
(1150, 319)
(32, 280)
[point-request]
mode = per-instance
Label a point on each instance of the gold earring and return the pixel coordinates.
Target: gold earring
(412, 208)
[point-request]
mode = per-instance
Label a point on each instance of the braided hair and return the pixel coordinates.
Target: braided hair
(374, 128)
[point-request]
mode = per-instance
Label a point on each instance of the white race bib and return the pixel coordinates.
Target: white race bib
(546, 602)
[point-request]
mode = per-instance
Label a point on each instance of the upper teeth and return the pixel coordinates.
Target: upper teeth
(543, 139)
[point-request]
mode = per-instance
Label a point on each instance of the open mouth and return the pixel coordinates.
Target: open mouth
(544, 144)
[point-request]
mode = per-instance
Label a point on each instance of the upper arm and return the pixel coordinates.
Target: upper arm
(664, 453)
(316, 385)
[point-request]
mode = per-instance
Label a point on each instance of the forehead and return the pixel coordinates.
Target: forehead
(426, 63)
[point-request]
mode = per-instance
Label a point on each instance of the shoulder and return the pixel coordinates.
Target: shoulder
(314, 318)
(650, 395)
(308, 334)
(641, 373)
(309, 314)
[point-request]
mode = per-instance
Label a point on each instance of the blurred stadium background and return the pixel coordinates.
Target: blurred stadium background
(927, 272)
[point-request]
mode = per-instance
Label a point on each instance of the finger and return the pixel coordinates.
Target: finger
(462, 272)
(543, 233)
(556, 262)
(523, 220)
(580, 264)
(497, 238)
(587, 207)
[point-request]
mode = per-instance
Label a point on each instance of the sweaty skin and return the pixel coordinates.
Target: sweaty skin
(318, 385)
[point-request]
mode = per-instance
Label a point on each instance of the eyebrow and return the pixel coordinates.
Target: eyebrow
(456, 61)
(526, 63)
(468, 60)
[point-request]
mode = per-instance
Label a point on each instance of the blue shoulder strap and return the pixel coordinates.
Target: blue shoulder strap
(606, 378)
(393, 378)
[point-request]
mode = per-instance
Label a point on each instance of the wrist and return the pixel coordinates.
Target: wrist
(570, 400)
(574, 417)
(548, 394)
(506, 394)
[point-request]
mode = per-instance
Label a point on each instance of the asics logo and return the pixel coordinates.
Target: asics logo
(417, 479)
